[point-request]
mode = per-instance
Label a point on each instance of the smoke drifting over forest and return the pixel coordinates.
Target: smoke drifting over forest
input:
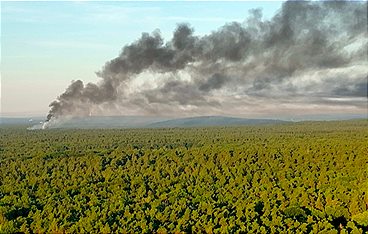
(311, 53)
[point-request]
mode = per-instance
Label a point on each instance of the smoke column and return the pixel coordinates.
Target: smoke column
(257, 58)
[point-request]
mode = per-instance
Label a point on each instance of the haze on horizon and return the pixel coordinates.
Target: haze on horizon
(226, 59)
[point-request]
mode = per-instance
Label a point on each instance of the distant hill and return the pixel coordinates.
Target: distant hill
(94, 122)
(98, 122)
(111, 122)
(20, 120)
(141, 122)
(205, 121)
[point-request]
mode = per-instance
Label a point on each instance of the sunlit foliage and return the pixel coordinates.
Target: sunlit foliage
(292, 178)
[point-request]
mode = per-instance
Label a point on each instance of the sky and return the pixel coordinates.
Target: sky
(47, 45)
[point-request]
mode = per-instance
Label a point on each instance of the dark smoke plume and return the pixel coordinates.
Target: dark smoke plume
(256, 58)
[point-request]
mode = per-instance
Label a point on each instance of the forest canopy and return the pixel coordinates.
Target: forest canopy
(295, 178)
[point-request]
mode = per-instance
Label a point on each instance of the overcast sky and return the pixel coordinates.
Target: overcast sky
(47, 45)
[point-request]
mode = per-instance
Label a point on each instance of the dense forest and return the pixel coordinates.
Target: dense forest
(309, 177)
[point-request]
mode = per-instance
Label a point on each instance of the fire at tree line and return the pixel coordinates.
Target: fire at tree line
(306, 177)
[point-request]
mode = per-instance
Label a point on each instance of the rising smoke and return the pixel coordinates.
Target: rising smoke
(308, 49)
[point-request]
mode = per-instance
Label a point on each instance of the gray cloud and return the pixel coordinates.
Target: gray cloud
(288, 56)
(216, 81)
(353, 90)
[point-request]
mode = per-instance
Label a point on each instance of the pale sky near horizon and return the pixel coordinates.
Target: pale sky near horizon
(46, 45)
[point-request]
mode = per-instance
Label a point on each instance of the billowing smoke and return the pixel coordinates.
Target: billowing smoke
(308, 52)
